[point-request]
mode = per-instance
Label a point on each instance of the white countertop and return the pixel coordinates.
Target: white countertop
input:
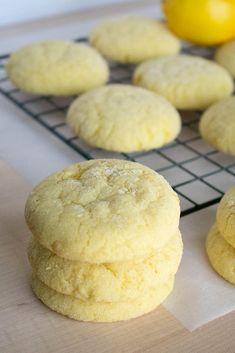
(29, 148)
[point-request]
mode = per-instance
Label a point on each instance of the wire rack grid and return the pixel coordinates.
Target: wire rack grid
(197, 172)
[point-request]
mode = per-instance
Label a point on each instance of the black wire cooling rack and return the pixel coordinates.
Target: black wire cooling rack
(198, 173)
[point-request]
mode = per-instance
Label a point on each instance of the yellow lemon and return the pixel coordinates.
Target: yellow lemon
(205, 22)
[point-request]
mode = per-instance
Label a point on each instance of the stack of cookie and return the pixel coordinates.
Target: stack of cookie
(220, 244)
(106, 243)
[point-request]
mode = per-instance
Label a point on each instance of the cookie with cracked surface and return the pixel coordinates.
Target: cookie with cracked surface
(225, 217)
(217, 125)
(102, 311)
(188, 82)
(57, 68)
(221, 254)
(225, 56)
(124, 118)
(133, 39)
(106, 282)
(103, 211)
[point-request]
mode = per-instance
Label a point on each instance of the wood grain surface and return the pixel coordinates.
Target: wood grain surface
(27, 326)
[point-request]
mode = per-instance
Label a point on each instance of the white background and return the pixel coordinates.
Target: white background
(16, 11)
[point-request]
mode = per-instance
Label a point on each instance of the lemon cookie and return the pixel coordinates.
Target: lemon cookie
(124, 118)
(103, 211)
(107, 282)
(188, 82)
(57, 68)
(225, 217)
(217, 125)
(133, 39)
(225, 56)
(102, 311)
(221, 255)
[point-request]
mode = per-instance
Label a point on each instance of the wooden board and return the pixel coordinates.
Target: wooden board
(27, 326)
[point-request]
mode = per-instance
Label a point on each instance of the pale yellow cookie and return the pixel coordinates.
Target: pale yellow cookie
(57, 68)
(221, 255)
(124, 118)
(133, 39)
(225, 216)
(103, 211)
(188, 82)
(107, 282)
(217, 125)
(103, 311)
(225, 56)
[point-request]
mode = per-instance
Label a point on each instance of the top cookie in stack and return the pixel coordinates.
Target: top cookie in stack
(103, 211)
(100, 217)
